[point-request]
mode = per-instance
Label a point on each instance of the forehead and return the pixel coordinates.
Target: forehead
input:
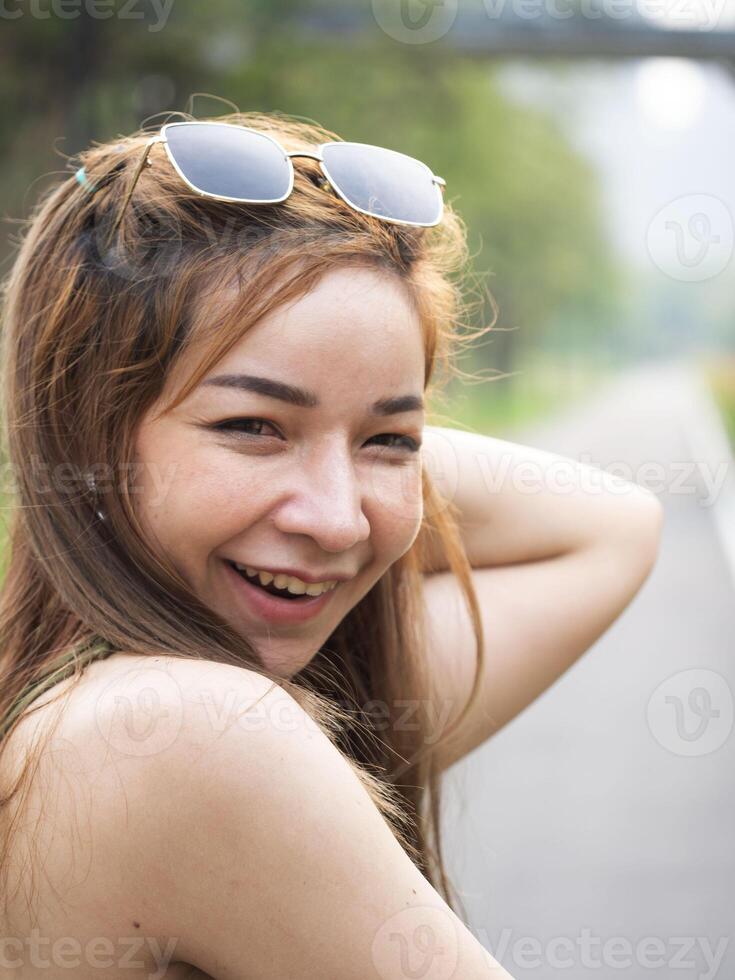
(356, 326)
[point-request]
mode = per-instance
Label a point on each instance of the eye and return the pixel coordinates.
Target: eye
(405, 442)
(239, 426)
(233, 425)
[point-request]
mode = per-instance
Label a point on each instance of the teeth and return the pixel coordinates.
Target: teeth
(316, 588)
(281, 582)
(289, 582)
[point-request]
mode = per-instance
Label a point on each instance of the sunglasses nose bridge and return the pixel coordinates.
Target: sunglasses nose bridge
(314, 155)
(311, 154)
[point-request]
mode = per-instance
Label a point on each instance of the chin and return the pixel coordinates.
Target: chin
(285, 665)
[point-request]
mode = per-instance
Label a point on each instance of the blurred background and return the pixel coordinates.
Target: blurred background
(589, 145)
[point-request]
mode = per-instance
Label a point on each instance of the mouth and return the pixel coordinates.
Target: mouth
(272, 604)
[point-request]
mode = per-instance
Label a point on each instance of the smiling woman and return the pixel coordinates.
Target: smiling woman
(313, 490)
(245, 415)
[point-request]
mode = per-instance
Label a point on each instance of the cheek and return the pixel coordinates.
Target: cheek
(189, 498)
(396, 505)
(194, 497)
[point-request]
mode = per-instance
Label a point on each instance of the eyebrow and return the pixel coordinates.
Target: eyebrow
(307, 399)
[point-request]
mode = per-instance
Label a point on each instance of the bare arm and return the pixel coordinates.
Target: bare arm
(521, 504)
(558, 550)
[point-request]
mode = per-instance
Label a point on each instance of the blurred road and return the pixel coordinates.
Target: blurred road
(594, 835)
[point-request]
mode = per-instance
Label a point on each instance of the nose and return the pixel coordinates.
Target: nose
(325, 502)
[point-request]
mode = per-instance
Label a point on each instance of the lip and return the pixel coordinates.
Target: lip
(272, 609)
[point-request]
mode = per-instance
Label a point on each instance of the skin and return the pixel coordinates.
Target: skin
(315, 491)
(327, 489)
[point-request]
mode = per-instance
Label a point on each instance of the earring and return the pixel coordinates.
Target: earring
(92, 485)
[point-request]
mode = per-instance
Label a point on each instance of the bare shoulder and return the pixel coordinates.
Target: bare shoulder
(113, 744)
(135, 704)
(164, 709)
(218, 815)
(139, 704)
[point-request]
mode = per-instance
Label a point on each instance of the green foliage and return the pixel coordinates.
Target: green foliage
(529, 199)
(543, 387)
(720, 376)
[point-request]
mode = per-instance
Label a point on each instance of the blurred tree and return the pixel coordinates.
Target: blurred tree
(530, 201)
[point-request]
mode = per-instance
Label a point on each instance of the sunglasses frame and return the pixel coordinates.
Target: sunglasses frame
(315, 154)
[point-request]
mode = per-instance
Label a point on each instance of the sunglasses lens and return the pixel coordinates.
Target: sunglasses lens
(385, 183)
(230, 161)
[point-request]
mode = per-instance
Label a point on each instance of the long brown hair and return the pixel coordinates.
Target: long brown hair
(90, 334)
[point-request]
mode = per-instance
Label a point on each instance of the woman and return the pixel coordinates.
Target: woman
(243, 631)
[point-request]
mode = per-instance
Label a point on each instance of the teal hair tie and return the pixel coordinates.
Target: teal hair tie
(82, 179)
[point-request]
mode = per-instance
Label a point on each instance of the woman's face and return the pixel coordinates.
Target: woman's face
(309, 470)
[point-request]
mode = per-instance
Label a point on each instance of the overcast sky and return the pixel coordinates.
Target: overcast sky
(662, 132)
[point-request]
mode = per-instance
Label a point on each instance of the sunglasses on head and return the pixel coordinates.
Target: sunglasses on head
(234, 163)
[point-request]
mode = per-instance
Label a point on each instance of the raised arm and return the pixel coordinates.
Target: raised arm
(521, 504)
(558, 550)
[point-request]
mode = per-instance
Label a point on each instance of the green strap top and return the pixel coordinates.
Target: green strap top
(64, 666)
